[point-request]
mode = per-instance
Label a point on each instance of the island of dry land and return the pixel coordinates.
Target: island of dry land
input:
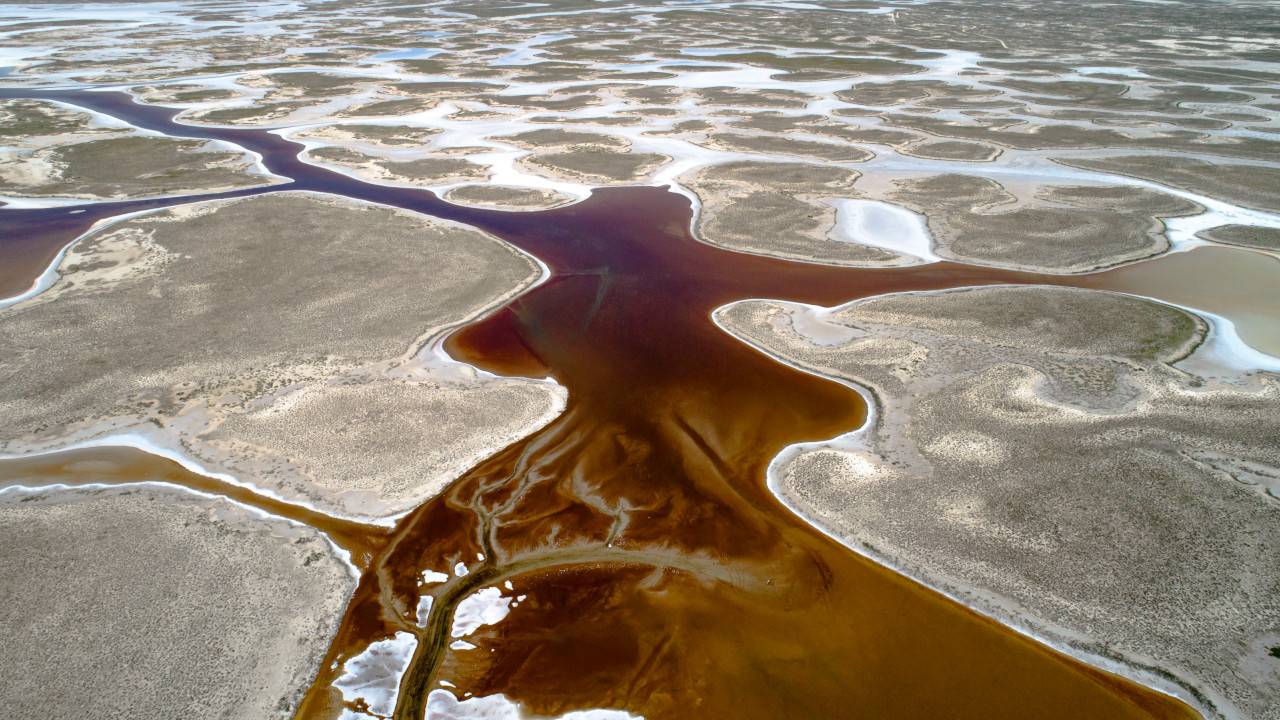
(1247, 185)
(1045, 455)
(151, 601)
(596, 167)
(502, 197)
(53, 151)
(777, 209)
(1058, 230)
(1257, 238)
(424, 169)
(1035, 452)
(273, 339)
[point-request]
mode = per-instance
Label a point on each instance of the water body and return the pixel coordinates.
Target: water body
(658, 573)
(124, 465)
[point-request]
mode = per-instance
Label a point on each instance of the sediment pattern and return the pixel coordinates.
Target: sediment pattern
(1152, 544)
(609, 541)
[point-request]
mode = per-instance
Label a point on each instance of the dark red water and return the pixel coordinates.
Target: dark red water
(660, 574)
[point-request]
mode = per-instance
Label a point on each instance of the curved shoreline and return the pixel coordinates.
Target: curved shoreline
(1216, 349)
(342, 552)
(546, 270)
(1014, 618)
(422, 359)
(1181, 231)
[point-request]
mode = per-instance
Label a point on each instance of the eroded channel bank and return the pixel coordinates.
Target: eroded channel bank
(659, 573)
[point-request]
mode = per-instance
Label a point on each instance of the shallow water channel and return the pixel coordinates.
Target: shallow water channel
(659, 573)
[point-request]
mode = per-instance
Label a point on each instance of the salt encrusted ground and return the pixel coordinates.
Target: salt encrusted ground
(1037, 453)
(272, 339)
(148, 600)
(54, 151)
(1111, 131)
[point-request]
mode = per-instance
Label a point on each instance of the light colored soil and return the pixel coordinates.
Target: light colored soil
(430, 169)
(952, 150)
(1258, 238)
(1098, 227)
(775, 122)
(304, 84)
(258, 114)
(754, 98)
(148, 601)
(127, 168)
(394, 135)
(776, 209)
(563, 139)
(182, 94)
(1248, 185)
(894, 93)
(781, 145)
(39, 123)
(270, 320)
(1035, 454)
(501, 197)
(597, 166)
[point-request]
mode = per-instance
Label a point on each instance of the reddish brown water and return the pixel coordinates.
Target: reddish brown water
(661, 575)
(124, 465)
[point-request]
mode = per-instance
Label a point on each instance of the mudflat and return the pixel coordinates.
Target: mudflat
(502, 197)
(1151, 546)
(127, 167)
(1248, 236)
(776, 209)
(237, 329)
(153, 600)
(1061, 230)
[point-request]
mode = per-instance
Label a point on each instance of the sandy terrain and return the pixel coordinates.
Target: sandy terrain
(274, 98)
(303, 84)
(295, 353)
(238, 329)
(426, 169)
(1064, 230)
(36, 123)
(1237, 284)
(502, 197)
(594, 166)
(776, 209)
(1245, 236)
(1255, 186)
(234, 617)
(1152, 545)
(564, 140)
(126, 168)
(184, 94)
(1019, 101)
(952, 150)
(264, 114)
(775, 145)
(352, 133)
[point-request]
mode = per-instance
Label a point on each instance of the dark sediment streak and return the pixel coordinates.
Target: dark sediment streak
(661, 574)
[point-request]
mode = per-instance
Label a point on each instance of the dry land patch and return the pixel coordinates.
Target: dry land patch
(1061, 230)
(245, 330)
(1035, 453)
(776, 208)
(232, 621)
